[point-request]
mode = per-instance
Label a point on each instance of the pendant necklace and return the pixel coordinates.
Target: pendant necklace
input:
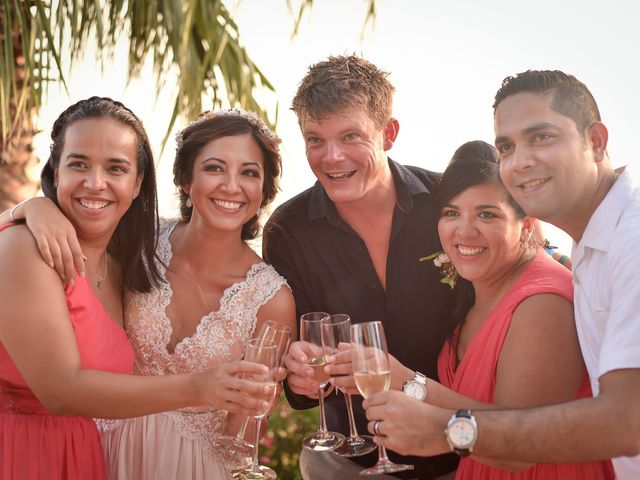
(100, 279)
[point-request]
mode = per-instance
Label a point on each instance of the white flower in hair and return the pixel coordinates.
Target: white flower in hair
(249, 116)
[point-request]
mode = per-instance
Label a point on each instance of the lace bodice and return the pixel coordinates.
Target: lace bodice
(219, 336)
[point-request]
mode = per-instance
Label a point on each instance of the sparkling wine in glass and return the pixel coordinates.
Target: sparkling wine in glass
(311, 336)
(280, 335)
(372, 375)
(261, 351)
(335, 330)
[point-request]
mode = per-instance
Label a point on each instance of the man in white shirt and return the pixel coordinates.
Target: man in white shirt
(554, 163)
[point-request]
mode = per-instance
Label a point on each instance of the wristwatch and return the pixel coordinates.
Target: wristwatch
(462, 432)
(416, 387)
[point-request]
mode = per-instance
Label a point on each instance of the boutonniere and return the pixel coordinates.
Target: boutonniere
(442, 262)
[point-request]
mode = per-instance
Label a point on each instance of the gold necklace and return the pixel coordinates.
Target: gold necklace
(100, 280)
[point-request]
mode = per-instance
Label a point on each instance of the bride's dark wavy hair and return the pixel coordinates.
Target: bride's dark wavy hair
(133, 243)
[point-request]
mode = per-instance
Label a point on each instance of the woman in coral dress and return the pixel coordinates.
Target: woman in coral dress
(516, 345)
(215, 295)
(63, 354)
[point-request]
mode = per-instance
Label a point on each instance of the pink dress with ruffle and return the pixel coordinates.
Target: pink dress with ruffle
(37, 445)
(475, 376)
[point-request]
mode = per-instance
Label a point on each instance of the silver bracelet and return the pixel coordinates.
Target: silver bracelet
(11, 212)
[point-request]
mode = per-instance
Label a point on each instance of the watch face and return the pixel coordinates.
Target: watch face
(415, 390)
(462, 433)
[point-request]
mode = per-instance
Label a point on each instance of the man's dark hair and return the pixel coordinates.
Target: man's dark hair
(569, 96)
(133, 244)
(342, 83)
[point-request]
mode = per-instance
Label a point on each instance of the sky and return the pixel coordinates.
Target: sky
(446, 60)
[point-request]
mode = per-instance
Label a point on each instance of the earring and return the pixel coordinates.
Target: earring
(188, 202)
(55, 184)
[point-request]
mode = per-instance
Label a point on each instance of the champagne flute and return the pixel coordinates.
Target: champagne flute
(311, 335)
(336, 330)
(236, 455)
(260, 351)
(372, 375)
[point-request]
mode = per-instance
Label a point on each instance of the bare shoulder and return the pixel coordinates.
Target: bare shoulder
(543, 310)
(19, 248)
(24, 274)
(281, 308)
(281, 303)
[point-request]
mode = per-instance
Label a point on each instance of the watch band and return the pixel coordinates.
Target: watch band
(417, 377)
(462, 413)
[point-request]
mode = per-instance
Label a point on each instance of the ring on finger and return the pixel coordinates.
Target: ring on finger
(376, 428)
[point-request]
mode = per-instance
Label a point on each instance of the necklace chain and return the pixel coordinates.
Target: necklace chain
(100, 279)
(203, 298)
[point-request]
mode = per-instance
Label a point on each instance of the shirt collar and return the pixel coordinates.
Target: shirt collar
(406, 183)
(601, 227)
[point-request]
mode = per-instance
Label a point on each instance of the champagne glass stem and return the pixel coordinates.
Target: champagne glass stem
(254, 467)
(382, 455)
(323, 420)
(243, 430)
(353, 432)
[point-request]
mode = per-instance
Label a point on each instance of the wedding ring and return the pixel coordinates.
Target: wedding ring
(376, 428)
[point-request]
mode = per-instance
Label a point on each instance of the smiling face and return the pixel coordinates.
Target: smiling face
(347, 153)
(226, 186)
(547, 165)
(97, 175)
(481, 232)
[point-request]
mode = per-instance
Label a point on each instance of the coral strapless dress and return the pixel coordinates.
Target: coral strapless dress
(35, 444)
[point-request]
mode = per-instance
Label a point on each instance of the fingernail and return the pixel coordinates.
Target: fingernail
(84, 257)
(82, 274)
(265, 405)
(51, 265)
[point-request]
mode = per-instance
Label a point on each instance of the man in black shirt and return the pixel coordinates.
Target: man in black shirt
(352, 243)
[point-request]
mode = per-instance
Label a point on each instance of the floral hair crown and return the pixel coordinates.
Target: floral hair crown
(250, 117)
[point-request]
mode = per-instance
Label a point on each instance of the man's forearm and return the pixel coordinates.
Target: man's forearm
(582, 430)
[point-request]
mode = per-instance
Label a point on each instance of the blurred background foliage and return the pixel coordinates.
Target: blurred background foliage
(281, 445)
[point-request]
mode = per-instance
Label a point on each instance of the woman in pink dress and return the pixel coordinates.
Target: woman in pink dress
(516, 344)
(63, 354)
(215, 294)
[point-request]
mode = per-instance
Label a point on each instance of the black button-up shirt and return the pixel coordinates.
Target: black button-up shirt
(329, 269)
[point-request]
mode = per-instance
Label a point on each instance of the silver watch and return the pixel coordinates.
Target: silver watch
(416, 387)
(462, 432)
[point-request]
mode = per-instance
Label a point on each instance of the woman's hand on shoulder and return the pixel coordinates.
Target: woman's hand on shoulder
(55, 236)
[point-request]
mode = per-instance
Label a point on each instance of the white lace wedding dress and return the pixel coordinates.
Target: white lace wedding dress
(179, 444)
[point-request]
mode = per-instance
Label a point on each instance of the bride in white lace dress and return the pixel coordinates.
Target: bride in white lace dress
(218, 292)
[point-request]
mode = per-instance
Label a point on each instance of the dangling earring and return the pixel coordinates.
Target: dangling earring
(188, 202)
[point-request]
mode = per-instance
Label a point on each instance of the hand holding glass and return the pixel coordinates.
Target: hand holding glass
(336, 330)
(311, 336)
(263, 352)
(372, 375)
(238, 453)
